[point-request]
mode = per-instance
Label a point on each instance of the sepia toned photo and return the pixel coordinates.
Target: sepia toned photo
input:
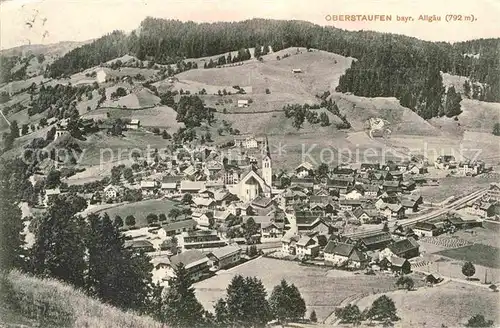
(249, 164)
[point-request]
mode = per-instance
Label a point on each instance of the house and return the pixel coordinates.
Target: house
(224, 257)
(168, 188)
(304, 170)
(50, 195)
(296, 70)
(484, 209)
(367, 215)
(376, 241)
(262, 202)
(176, 227)
(396, 264)
(307, 246)
(349, 204)
(272, 230)
(195, 262)
(148, 187)
(243, 103)
(200, 239)
(494, 191)
(311, 222)
(339, 183)
(404, 248)
(134, 124)
(406, 232)
(355, 192)
(396, 211)
(370, 191)
(101, 76)
(201, 219)
(111, 192)
(425, 229)
(340, 254)
(203, 203)
(369, 167)
(288, 243)
(306, 184)
(291, 197)
(190, 171)
(139, 245)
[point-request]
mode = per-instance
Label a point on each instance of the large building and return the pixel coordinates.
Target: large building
(253, 183)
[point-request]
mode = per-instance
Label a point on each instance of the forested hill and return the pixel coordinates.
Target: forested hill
(388, 64)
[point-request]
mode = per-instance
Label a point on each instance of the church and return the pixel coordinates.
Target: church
(254, 183)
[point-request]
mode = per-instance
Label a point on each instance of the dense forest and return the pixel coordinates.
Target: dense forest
(386, 65)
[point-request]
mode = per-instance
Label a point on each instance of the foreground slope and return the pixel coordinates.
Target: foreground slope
(29, 301)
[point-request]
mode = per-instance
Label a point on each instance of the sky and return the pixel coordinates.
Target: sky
(52, 21)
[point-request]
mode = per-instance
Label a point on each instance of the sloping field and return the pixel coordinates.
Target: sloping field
(101, 148)
(138, 98)
(480, 254)
(161, 116)
(63, 305)
(402, 120)
(321, 288)
(450, 304)
(141, 209)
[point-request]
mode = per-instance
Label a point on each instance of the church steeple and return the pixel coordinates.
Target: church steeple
(267, 170)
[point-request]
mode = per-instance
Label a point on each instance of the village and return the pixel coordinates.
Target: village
(213, 208)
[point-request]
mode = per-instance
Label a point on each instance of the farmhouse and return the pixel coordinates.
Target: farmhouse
(396, 264)
(243, 103)
(177, 227)
(425, 229)
(288, 243)
(111, 192)
(139, 245)
(304, 170)
(375, 242)
(339, 254)
(134, 124)
(192, 186)
(195, 262)
(50, 194)
(272, 230)
(306, 245)
(224, 257)
(404, 248)
(310, 222)
(200, 239)
(201, 219)
(101, 76)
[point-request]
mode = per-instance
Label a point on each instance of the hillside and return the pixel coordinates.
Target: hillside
(24, 297)
(54, 49)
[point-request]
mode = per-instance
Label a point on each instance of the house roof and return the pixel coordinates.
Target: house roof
(138, 243)
(358, 256)
(305, 165)
(289, 236)
(225, 251)
(397, 261)
(175, 225)
(425, 226)
(403, 245)
(375, 239)
(330, 247)
(148, 184)
(262, 201)
(55, 191)
(169, 185)
(343, 249)
(201, 201)
(303, 241)
(189, 258)
(192, 185)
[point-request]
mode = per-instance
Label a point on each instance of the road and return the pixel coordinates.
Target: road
(428, 216)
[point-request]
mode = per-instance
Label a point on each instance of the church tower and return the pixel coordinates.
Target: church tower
(267, 170)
